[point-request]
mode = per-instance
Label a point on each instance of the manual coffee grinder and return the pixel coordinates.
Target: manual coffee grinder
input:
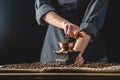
(66, 54)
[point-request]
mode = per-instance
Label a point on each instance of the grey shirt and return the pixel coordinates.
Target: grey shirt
(88, 14)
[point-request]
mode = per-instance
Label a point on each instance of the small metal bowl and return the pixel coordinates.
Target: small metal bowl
(66, 46)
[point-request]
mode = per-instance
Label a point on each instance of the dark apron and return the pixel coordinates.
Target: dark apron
(73, 11)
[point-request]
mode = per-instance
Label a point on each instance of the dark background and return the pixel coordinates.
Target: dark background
(21, 38)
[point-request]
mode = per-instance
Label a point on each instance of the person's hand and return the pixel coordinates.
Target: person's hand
(80, 45)
(79, 59)
(71, 29)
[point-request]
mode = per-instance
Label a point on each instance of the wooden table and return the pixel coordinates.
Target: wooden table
(61, 76)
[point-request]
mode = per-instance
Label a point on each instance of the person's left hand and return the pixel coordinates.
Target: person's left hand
(80, 45)
(79, 59)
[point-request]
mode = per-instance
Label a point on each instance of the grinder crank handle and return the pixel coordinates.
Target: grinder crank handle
(79, 35)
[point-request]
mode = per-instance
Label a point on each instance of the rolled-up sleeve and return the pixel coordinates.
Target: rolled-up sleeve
(94, 17)
(41, 8)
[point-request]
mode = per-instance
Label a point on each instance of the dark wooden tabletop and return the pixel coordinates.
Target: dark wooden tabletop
(63, 76)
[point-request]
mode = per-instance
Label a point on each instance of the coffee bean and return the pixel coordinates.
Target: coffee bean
(38, 65)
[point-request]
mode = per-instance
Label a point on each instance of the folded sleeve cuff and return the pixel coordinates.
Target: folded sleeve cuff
(41, 11)
(90, 29)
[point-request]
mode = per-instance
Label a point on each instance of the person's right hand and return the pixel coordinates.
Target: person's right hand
(71, 29)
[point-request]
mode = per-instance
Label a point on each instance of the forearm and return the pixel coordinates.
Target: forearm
(94, 17)
(82, 42)
(54, 19)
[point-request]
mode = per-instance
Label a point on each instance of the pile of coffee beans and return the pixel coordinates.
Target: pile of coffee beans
(38, 65)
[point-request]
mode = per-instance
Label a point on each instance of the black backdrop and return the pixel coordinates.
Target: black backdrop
(21, 38)
(111, 31)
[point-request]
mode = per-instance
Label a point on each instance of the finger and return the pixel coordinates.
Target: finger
(66, 29)
(79, 62)
(76, 33)
(69, 31)
(79, 56)
(79, 59)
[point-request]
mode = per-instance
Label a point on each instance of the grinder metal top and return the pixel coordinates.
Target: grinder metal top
(66, 54)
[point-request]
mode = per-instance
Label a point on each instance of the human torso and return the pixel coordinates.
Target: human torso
(73, 10)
